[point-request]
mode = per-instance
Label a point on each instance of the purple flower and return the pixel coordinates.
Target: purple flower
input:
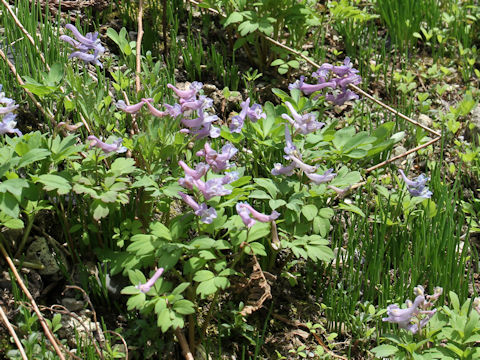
(213, 187)
(203, 102)
(342, 98)
(187, 95)
(218, 161)
(320, 179)
(279, 169)
(200, 170)
(107, 148)
(173, 110)
(145, 288)
(130, 109)
(418, 186)
(304, 124)
(256, 113)
(308, 89)
(236, 124)
(417, 314)
(249, 214)
(300, 164)
(9, 103)
(84, 44)
(207, 214)
(403, 317)
(202, 125)
(7, 126)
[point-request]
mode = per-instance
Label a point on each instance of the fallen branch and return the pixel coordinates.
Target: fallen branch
(41, 319)
(12, 332)
(183, 344)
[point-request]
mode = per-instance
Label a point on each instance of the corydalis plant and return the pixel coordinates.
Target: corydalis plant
(334, 77)
(8, 123)
(84, 45)
(249, 215)
(107, 148)
(417, 187)
(295, 157)
(254, 113)
(145, 288)
(416, 314)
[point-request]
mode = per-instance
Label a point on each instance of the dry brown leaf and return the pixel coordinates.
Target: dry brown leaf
(259, 289)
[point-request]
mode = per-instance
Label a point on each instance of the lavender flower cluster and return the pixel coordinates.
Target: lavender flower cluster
(84, 45)
(295, 158)
(333, 77)
(217, 162)
(8, 124)
(417, 187)
(416, 314)
(254, 113)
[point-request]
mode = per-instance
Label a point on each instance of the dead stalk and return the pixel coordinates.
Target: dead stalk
(21, 83)
(12, 332)
(183, 344)
(41, 319)
(139, 45)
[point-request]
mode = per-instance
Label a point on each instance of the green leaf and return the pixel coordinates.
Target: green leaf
(184, 307)
(161, 231)
(32, 156)
(180, 288)
(385, 350)
(268, 185)
(100, 209)
(309, 211)
(206, 288)
(277, 62)
(274, 204)
(203, 275)
(55, 182)
(14, 187)
(233, 18)
(454, 301)
(352, 208)
(122, 166)
(9, 205)
(163, 320)
(326, 213)
(257, 248)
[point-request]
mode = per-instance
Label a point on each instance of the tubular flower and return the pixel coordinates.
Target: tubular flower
(83, 45)
(249, 214)
(200, 170)
(107, 148)
(130, 109)
(254, 113)
(218, 161)
(320, 179)
(206, 214)
(335, 77)
(304, 124)
(144, 288)
(8, 123)
(7, 126)
(417, 314)
(418, 186)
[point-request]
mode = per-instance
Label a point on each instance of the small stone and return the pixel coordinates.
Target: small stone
(39, 251)
(425, 120)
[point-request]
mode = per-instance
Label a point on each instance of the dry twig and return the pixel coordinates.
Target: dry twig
(41, 319)
(183, 344)
(12, 332)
